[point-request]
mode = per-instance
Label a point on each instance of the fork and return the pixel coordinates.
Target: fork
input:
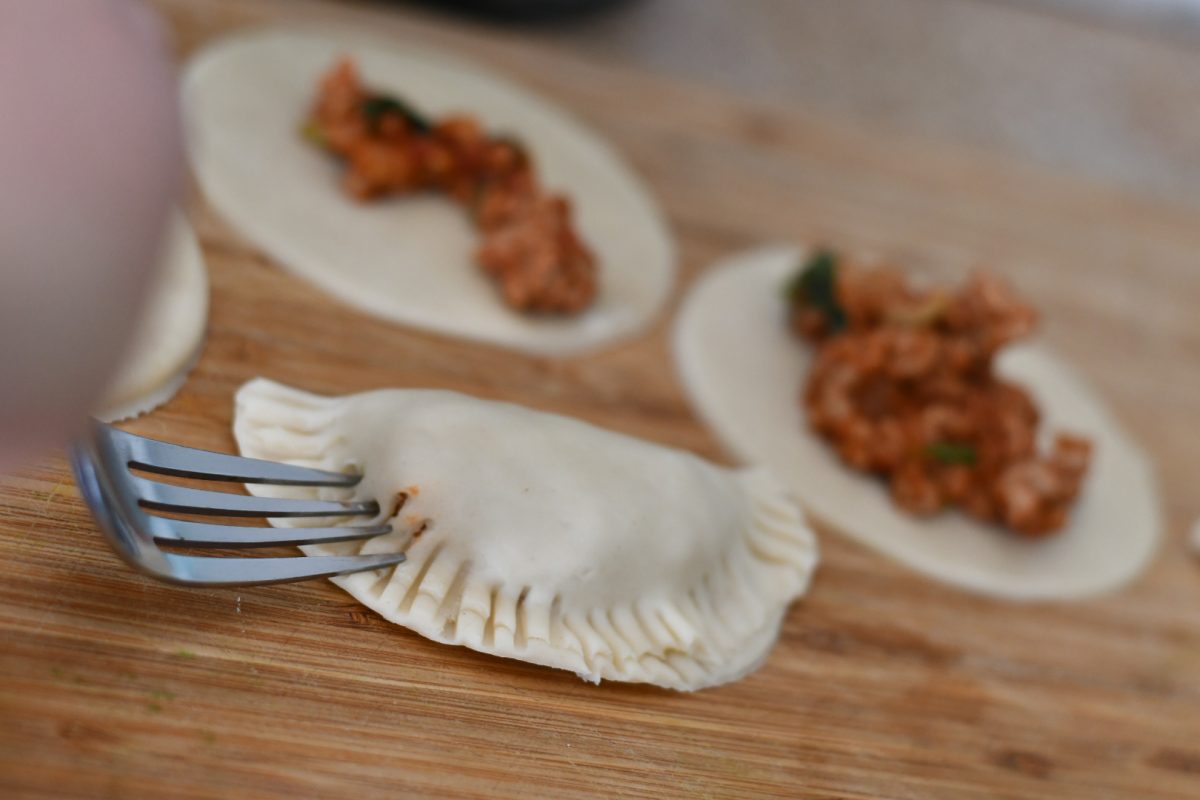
(119, 500)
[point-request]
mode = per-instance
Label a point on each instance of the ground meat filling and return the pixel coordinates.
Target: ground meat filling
(903, 387)
(528, 244)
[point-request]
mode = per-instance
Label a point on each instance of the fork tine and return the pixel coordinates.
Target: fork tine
(203, 534)
(188, 462)
(167, 497)
(221, 571)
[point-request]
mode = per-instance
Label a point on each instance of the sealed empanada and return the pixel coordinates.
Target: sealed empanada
(543, 538)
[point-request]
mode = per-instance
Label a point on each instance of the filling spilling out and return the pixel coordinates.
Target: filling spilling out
(528, 243)
(903, 386)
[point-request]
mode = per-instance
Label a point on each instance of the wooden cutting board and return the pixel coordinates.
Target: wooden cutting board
(882, 684)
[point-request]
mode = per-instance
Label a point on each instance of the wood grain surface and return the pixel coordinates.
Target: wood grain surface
(882, 684)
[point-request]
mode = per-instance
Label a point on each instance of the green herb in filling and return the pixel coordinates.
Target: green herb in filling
(377, 106)
(950, 453)
(815, 286)
(313, 133)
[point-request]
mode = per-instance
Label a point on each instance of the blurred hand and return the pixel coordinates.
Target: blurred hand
(89, 166)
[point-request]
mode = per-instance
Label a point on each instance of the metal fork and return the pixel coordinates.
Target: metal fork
(120, 500)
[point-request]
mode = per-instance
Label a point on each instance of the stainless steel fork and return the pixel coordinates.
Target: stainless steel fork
(120, 500)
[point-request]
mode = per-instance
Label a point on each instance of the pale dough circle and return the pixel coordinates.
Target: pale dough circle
(744, 372)
(410, 260)
(170, 335)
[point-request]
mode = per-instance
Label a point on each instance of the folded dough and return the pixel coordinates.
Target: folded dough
(542, 538)
(169, 337)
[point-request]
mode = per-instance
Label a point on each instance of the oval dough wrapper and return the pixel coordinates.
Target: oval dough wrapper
(744, 372)
(411, 259)
(543, 538)
(168, 340)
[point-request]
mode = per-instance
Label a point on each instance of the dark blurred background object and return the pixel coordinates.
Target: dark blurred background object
(1099, 88)
(527, 10)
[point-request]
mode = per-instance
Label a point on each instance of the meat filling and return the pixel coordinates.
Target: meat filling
(903, 386)
(528, 243)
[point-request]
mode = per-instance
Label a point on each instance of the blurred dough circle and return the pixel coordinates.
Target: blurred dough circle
(171, 332)
(410, 261)
(90, 158)
(743, 370)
